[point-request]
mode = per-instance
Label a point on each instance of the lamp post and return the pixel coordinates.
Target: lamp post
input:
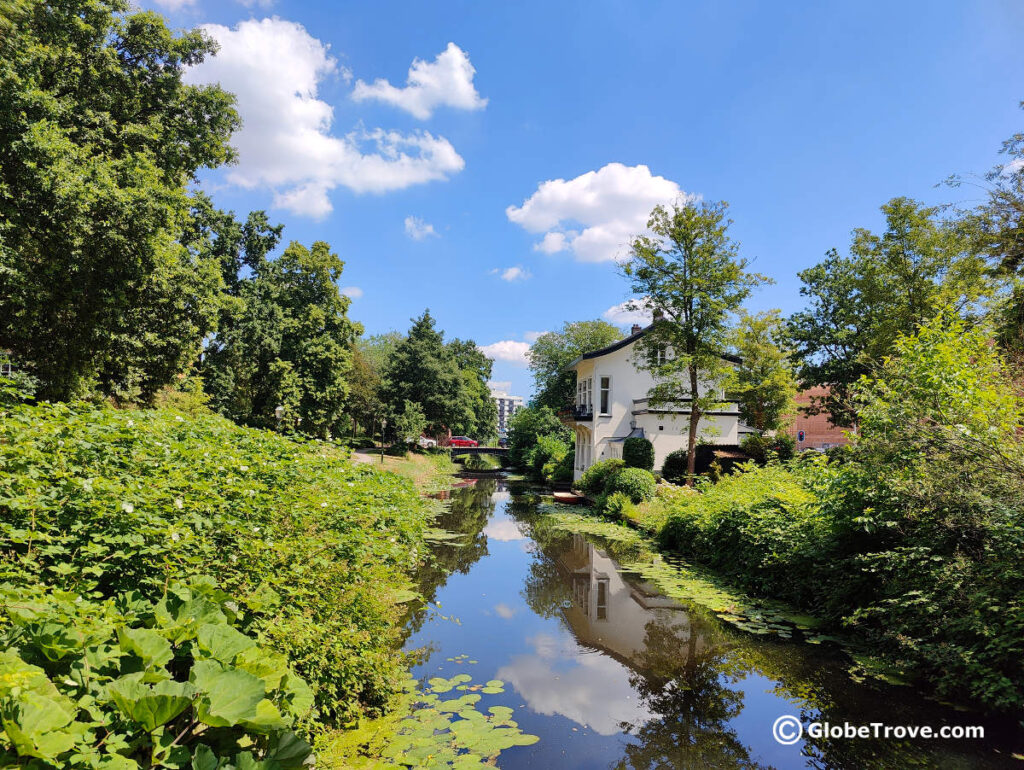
(278, 415)
(383, 425)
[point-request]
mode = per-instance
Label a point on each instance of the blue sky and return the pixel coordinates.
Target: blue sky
(805, 117)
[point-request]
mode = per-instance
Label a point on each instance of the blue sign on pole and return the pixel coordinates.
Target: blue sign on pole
(800, 435)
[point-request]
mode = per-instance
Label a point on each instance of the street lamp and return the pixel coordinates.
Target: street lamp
(383, 425)
(279, 415)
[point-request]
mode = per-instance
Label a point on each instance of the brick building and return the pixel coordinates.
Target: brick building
(819, 432)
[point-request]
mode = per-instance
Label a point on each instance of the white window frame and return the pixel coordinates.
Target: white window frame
(604, 404)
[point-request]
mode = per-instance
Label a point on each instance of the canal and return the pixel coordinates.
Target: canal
(611, 672)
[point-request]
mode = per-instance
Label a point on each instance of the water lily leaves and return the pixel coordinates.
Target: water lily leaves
(150, 706)
(223, 642)
(501, 712)
(229, 696)
(153, 649)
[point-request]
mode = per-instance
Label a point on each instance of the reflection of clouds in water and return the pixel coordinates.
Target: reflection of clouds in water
(505, 611)
(594, 691)
(501, 497)
(503, 530)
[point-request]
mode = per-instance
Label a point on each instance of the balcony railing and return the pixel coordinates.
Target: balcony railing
(582, 412)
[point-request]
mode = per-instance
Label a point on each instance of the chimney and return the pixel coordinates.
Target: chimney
(636, 328)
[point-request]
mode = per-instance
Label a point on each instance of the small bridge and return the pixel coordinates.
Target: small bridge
(497, 451)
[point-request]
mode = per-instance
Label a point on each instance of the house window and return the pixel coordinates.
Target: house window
(606, 395)
(602, 599)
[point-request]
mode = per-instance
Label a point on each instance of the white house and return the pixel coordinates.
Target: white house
(612, 405)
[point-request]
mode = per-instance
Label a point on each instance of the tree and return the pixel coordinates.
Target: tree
(554, 351)
(409, 424)
(887, 286)
(425, 371)
(527, 426)
(99, 139)
(364, 402)
(690, 272)
(764, 381)
(481, 415)
(289, 346)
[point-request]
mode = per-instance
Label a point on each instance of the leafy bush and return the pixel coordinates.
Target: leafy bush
(617, 505)
(674, 468)
(526, 427)
(762, 448)
(101, 502)
(560, 471)
(638, 453)
(593, 479)
(549, 449)
(127, 683)
(637, 484)
(481, 462)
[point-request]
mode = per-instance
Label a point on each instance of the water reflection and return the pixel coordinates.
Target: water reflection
(611, 673)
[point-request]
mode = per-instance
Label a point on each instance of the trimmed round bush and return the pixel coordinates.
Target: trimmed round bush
(764, 448)
(593, 479)
(673, 469)
(638, 453)
(636, 483)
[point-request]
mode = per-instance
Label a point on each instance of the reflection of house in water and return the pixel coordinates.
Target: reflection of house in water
(612, 613)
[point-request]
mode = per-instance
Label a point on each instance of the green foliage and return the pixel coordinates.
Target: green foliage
(887, 286)
(552, 352)
(638, 453)
(102, 502)
(527, 426)
(594, 478)
(764, 381)
(410, 424)
(637, 484)
(126, 682)
(481, 462)
(913, 540)
(99, 140)
(561, 470)
(690, 272)
(547, 456)
(618, 505)
(673, 469)
(762, 448)
(289, 344)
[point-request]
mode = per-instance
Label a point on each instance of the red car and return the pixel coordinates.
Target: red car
(462, 441)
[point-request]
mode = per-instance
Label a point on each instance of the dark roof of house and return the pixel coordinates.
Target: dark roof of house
(629, 341)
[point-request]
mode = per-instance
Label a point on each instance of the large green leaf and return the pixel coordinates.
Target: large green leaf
(289, 751)
(267, 718)
(223, 642)
(229, 696)
(147, 644)
(150, 706)
(37, 725)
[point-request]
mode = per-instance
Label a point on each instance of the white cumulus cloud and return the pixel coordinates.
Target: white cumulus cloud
(595, 215)
(632, 311)
(287, 145)
(417, 229)
(353, 292)
(446, 81)
(511, 274)
(512, 351)
(533, 336)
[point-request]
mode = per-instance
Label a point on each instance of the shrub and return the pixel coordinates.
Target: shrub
(762, 448)
(549, 449)
(315, 547)
(638, 453)
(526, 427)
(674, 468)
(636, 483)
(481, 462)
(119, 679)
(593, 479)
(617, 505)
(560, 471)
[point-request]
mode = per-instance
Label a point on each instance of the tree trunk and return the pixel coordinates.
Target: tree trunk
(691, 444)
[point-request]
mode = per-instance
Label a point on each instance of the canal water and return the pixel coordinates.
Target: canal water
(611, 673)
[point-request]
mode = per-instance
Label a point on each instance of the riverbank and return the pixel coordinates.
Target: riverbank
(429, 472)
(165, 524)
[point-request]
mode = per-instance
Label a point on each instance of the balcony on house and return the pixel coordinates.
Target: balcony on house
(582, 412)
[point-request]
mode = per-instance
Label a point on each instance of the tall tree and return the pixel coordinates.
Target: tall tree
(555, 386)
(888, 285)
(689, 270)
(289, 346)
(99, 139)
(475, 368)
(424, 370)
(764, 380)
